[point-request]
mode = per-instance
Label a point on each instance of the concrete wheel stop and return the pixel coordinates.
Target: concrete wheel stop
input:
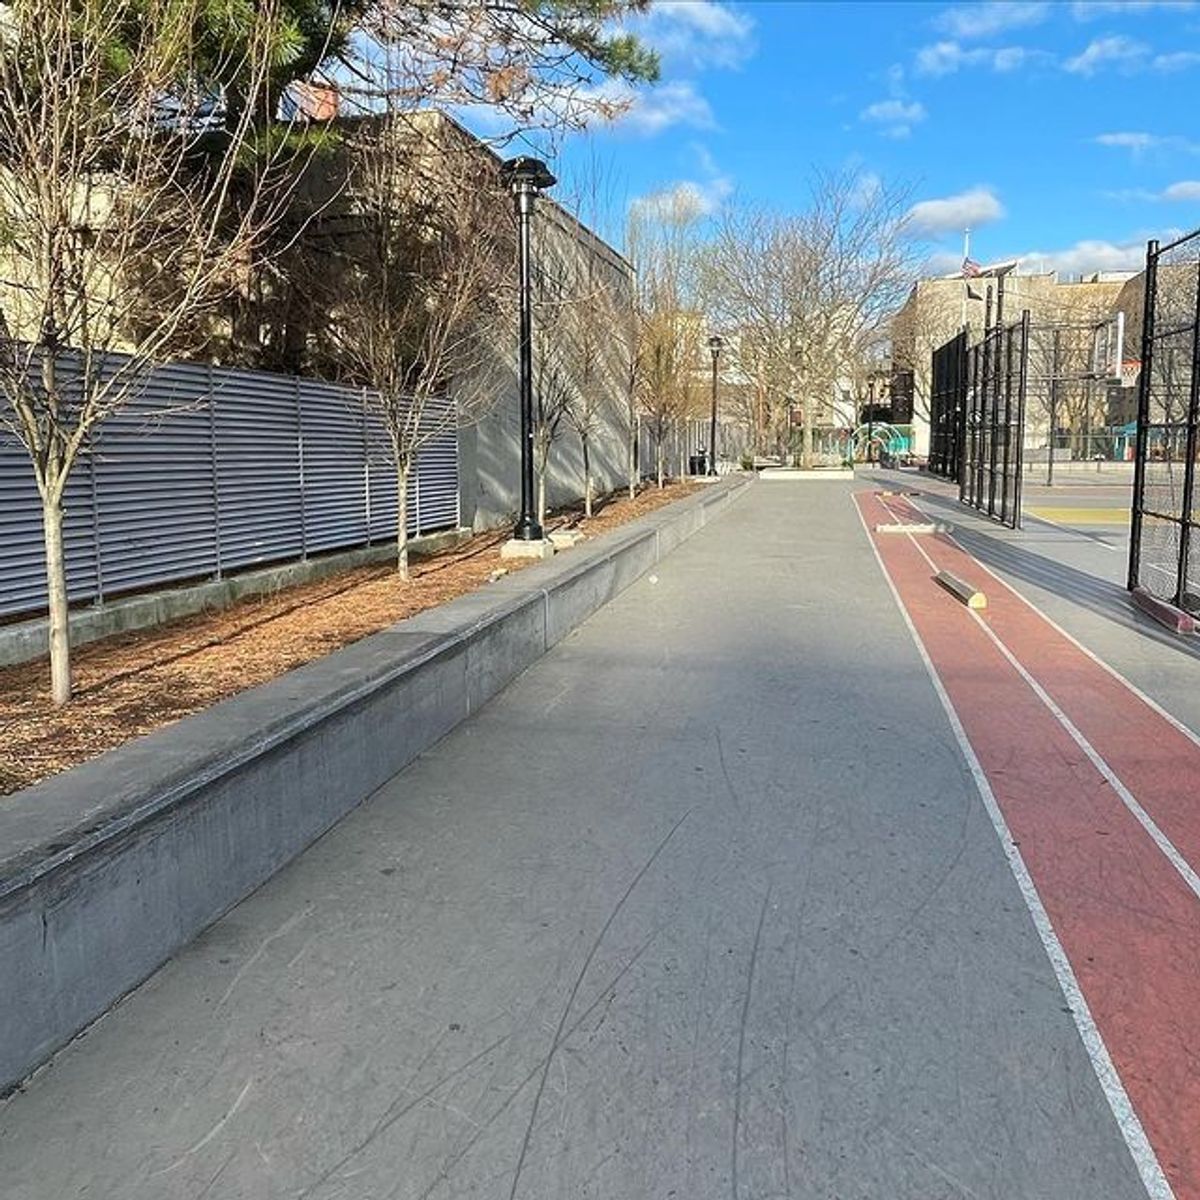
(1166, 614)
(962, 591)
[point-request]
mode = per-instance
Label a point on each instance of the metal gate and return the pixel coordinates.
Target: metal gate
(994, 426)
(947, 408)
(1164, 548)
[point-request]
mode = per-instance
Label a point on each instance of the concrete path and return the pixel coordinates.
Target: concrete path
(706, 904)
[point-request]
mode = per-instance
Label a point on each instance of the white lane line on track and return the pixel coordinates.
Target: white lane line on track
(1147, 700)
(1128, 1122)
(1147, 822)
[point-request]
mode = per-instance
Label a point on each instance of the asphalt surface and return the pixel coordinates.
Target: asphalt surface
(705, 904)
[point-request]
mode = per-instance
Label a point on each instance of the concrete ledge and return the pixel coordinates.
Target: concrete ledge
(1175, 619)
(914, 527)
(25, 641)
(777, 473)
(963, 592)
(109, 869)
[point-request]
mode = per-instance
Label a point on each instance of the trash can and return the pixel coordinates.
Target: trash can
(698, 463)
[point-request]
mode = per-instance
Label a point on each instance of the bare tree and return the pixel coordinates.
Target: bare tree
(669, 348)
(117, 149)
(427, 285)
(669, 328)
(811, 288)
(596, 333)
(599, 336)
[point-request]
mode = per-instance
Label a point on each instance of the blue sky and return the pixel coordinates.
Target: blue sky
(1065, 132)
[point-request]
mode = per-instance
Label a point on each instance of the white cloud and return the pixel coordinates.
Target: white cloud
(1085, 10)
(894, 117)
(944, 262)
(686, 200)
(1185, 189)
(951, 214)
(1118, 51)
(944, 58)
(1009, 58)
(1138, 142)
(867, 188)
(1179, 60)
(1128, 56)
(1090, 255)
(995, 16)
(699, 33)
(651, 110)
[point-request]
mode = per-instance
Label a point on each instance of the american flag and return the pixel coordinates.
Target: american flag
(971, 269)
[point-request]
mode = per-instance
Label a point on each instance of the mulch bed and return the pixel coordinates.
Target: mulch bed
(133, 683)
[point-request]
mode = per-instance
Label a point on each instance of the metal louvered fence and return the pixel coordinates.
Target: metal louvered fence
(210, 470)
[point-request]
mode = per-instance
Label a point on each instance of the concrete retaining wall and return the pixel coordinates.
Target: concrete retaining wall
(109, 869)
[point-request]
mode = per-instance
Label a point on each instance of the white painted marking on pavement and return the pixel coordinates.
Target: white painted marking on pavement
(1091, 537)
(1147, 700)
(1128, 1122)
(1143, 818)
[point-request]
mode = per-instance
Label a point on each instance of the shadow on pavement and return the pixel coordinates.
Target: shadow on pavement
(1010, 558)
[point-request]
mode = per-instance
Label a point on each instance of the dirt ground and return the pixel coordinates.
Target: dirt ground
(133, 683)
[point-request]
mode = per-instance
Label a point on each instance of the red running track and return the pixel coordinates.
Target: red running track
(1103, 799)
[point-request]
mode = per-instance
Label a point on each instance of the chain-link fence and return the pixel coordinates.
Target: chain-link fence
(947, 407)
(994, 423)
(1164, 555)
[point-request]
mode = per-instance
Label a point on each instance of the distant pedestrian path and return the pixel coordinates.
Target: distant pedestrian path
(786, 875)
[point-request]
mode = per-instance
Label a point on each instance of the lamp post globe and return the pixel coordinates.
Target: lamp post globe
(526, 177)
(715, 344)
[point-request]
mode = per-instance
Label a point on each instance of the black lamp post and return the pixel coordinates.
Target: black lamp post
(714, 344)
(526, 177)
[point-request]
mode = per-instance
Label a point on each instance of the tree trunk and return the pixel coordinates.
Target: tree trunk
(402, 472)
(56, 591)
(587, 476)
(633, 456)
(806, 454)
(660, 457)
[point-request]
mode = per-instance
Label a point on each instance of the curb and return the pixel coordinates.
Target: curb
(109, 869)
(1175, 619)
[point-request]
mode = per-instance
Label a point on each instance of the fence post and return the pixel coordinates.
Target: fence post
(1054, 366)
(97, 540)
(300, 467)
(216, 486)
(1143, 416)
(1189, 466)
(366, 446)
(1022, 382)
(416, 478)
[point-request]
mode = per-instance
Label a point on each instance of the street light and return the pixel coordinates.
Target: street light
(526, 177)
(714, 344)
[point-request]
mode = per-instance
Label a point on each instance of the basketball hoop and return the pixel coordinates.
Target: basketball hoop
(1130, 369)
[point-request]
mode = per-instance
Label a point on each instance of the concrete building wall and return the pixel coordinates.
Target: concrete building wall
(577, 271)
(937, 309)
